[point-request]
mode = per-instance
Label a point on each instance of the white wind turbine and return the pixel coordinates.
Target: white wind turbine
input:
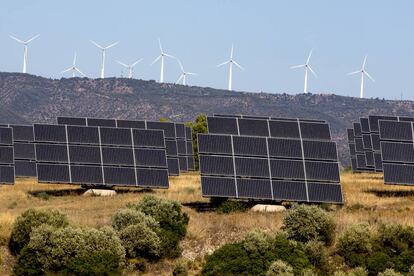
(184, 74)
(103, 55)
(130, 67)
(25, 54)
(363, 73)
(161, 56)
(307, 67)
(231, 61)
(73, 68)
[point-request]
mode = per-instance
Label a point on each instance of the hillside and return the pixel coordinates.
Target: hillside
(31, 98)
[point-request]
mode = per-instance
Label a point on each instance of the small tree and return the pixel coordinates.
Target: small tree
(280, 268)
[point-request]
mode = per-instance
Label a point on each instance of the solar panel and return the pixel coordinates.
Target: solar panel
(7, 171)
(397, 151)
(260, 166)
(24, 151)
(24, 168)
(174, 134)
(101, 156)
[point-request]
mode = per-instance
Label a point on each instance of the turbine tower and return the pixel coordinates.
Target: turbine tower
(363, 73)
(73, 68)
(231, 61)
(184, 74)
(103, 55)
(161, 56)
(307, 68)
(130, 67)
(25, 54)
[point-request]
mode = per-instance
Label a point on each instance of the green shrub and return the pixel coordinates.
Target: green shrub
(279, 268)
(257, 242)
(253, 256)
(140, 241)
(394, 238)
(232, 206)
(389, 272)
(71, 250)
(180, 268)
(29, 220)
(358, 271)
(317, 255)
(378, 261)
(173, 222)
(355, 244)
(304, 223)
(126, 217)
(411, 271)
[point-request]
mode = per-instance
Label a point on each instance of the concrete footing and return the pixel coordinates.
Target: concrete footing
(99, 192)
(268, 208)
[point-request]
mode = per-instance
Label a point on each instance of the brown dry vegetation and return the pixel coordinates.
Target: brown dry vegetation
(367, 199)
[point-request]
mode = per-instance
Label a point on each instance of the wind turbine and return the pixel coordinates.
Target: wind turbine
(231, 61)
(73, 68)
(130, 67)
(25, 43)
(184, 74)
(161, 56)
(363, 73)
(307, 67)
(103, 55)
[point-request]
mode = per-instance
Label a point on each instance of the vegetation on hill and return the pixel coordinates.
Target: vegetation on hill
(37, 99)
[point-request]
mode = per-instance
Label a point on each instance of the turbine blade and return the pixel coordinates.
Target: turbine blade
(181, 65)
(80, 72)
(365, 61)
(74, 59)
(15, 38)
(232, 50)
(33, 38)
(155, 60)
(354, 72)
(67, 70)
(369, 76)
(170, 56)
(159, 44)
(313, 72)
(112, 45)
(224, 63)
(181, 76)
(309, 57)
(97, 45)
(297, 66)
(190, 73)
(123, 64)
(138, 61)
(238, 65)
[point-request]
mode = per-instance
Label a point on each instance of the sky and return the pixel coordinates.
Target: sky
(269, 36)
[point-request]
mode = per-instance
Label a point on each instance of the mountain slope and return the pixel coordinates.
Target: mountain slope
(38, 99)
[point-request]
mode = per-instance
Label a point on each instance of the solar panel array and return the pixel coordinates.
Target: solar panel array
(100, 156)
(7, 174)
(364, 143)
(179, 155)
(24, 150)
(265, 158)
(397, 149)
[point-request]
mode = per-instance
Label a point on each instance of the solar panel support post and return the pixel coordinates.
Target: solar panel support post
(303, 160)
(234, 165)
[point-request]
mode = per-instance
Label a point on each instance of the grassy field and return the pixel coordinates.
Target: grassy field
(366, 199)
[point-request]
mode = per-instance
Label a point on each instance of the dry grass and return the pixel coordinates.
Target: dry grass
(367, 199)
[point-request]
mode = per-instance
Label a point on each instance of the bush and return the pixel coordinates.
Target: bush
(231, 206)
(389, 272)
(358, 271)
(280, 268)
(253, 256)
(411, 271)
(355, 244)
(29, 220)
(140, 241)
(70, 250)
(305, 223)
(180, 268)
(172, 221)
(126, 217)
(394, 238)
(317, 255)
